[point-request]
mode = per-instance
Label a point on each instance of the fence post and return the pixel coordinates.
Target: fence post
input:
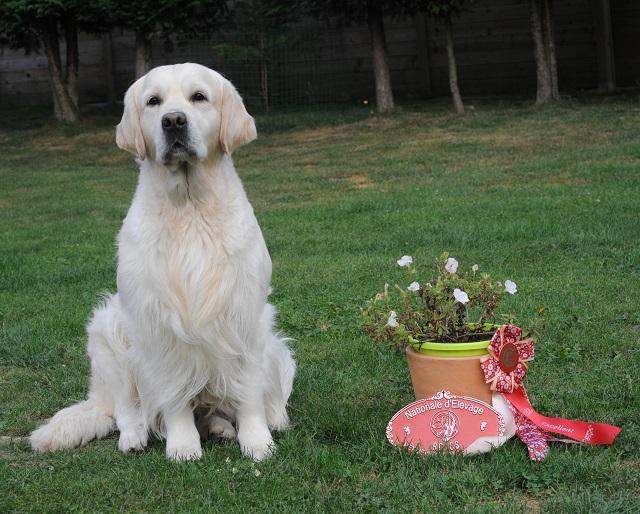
(107, 56)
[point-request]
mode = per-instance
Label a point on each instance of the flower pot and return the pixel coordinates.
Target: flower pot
(453, 367)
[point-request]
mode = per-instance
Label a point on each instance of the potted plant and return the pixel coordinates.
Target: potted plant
(445, 323)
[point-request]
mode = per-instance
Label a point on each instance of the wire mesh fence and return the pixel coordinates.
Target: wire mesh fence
(309, 65)
(273, 71)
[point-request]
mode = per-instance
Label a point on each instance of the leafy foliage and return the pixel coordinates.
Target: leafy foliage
(23, 22)
(162, 18)
(453, 306)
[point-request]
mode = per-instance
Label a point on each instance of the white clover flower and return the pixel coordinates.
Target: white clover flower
(404, 261)
(392, 321)
(414, 286)
(451, 265)
(510, 287)
(257, 472)
(460, 296)
(474, 268)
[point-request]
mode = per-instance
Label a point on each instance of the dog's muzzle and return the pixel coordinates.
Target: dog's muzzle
(176, 132)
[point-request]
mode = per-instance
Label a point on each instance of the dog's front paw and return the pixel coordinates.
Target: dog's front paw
(256, 444)
(132, 440)
(184, 450)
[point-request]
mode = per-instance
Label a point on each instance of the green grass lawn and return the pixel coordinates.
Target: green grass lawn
(549, 198)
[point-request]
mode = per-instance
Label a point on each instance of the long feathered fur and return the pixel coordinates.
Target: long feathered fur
(190, 325)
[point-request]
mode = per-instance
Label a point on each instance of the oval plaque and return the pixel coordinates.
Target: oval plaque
(444, 422)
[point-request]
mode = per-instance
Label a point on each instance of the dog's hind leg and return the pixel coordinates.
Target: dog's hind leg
(112, 375)
(221, 428)
(92, 418)
(280, 369)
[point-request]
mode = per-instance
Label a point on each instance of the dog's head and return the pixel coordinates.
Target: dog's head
(183, 113)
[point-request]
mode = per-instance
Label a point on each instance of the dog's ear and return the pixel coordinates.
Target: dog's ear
(237, 127)
(129, 132)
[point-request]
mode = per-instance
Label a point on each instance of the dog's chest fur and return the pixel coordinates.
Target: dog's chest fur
(195, 261)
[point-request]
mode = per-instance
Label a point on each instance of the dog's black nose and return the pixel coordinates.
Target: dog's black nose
(174, 121)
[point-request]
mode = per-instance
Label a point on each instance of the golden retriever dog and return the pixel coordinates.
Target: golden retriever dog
(190, 333)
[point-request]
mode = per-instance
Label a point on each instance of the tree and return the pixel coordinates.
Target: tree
(32, 25)
(152, 19)
(380, 57)
(42, 24)
(372, 12)
(444, 10)
(544, 51)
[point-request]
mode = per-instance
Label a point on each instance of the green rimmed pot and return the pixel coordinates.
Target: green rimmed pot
(455, 367)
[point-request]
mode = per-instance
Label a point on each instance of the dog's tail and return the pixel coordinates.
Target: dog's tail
(72, 427)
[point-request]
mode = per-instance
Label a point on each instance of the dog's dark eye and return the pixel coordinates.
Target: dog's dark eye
(198, 97)
(154, 100)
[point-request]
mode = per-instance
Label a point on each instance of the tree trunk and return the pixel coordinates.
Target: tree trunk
(384, 93)
(543, 91)
(64, 108)
(453, 69)
(143, 54)
(544, 52)
(550, 46)
(71, 72)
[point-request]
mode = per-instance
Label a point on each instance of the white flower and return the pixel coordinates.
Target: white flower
(414, 286)
(460, 296)
(257, 472)
(392, 321)
(404, 261)
(451, 265)
(510, 287)
(474, 268)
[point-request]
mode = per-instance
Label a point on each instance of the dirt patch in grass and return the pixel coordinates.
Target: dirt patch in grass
(361, 182)
(533, 505)
(106, 137)
(633, 464)
(118, 157)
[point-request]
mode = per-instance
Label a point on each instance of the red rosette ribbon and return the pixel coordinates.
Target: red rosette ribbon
(505, 366)
(504, 369)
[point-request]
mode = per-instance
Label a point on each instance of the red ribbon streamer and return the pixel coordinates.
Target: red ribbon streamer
(504, 370)
(583, 431)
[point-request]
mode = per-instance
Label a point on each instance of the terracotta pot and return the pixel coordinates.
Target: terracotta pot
(433, 370)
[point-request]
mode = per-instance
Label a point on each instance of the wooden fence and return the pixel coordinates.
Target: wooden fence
(331, 62)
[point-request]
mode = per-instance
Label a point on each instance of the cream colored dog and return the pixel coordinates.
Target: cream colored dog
(190, 328)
